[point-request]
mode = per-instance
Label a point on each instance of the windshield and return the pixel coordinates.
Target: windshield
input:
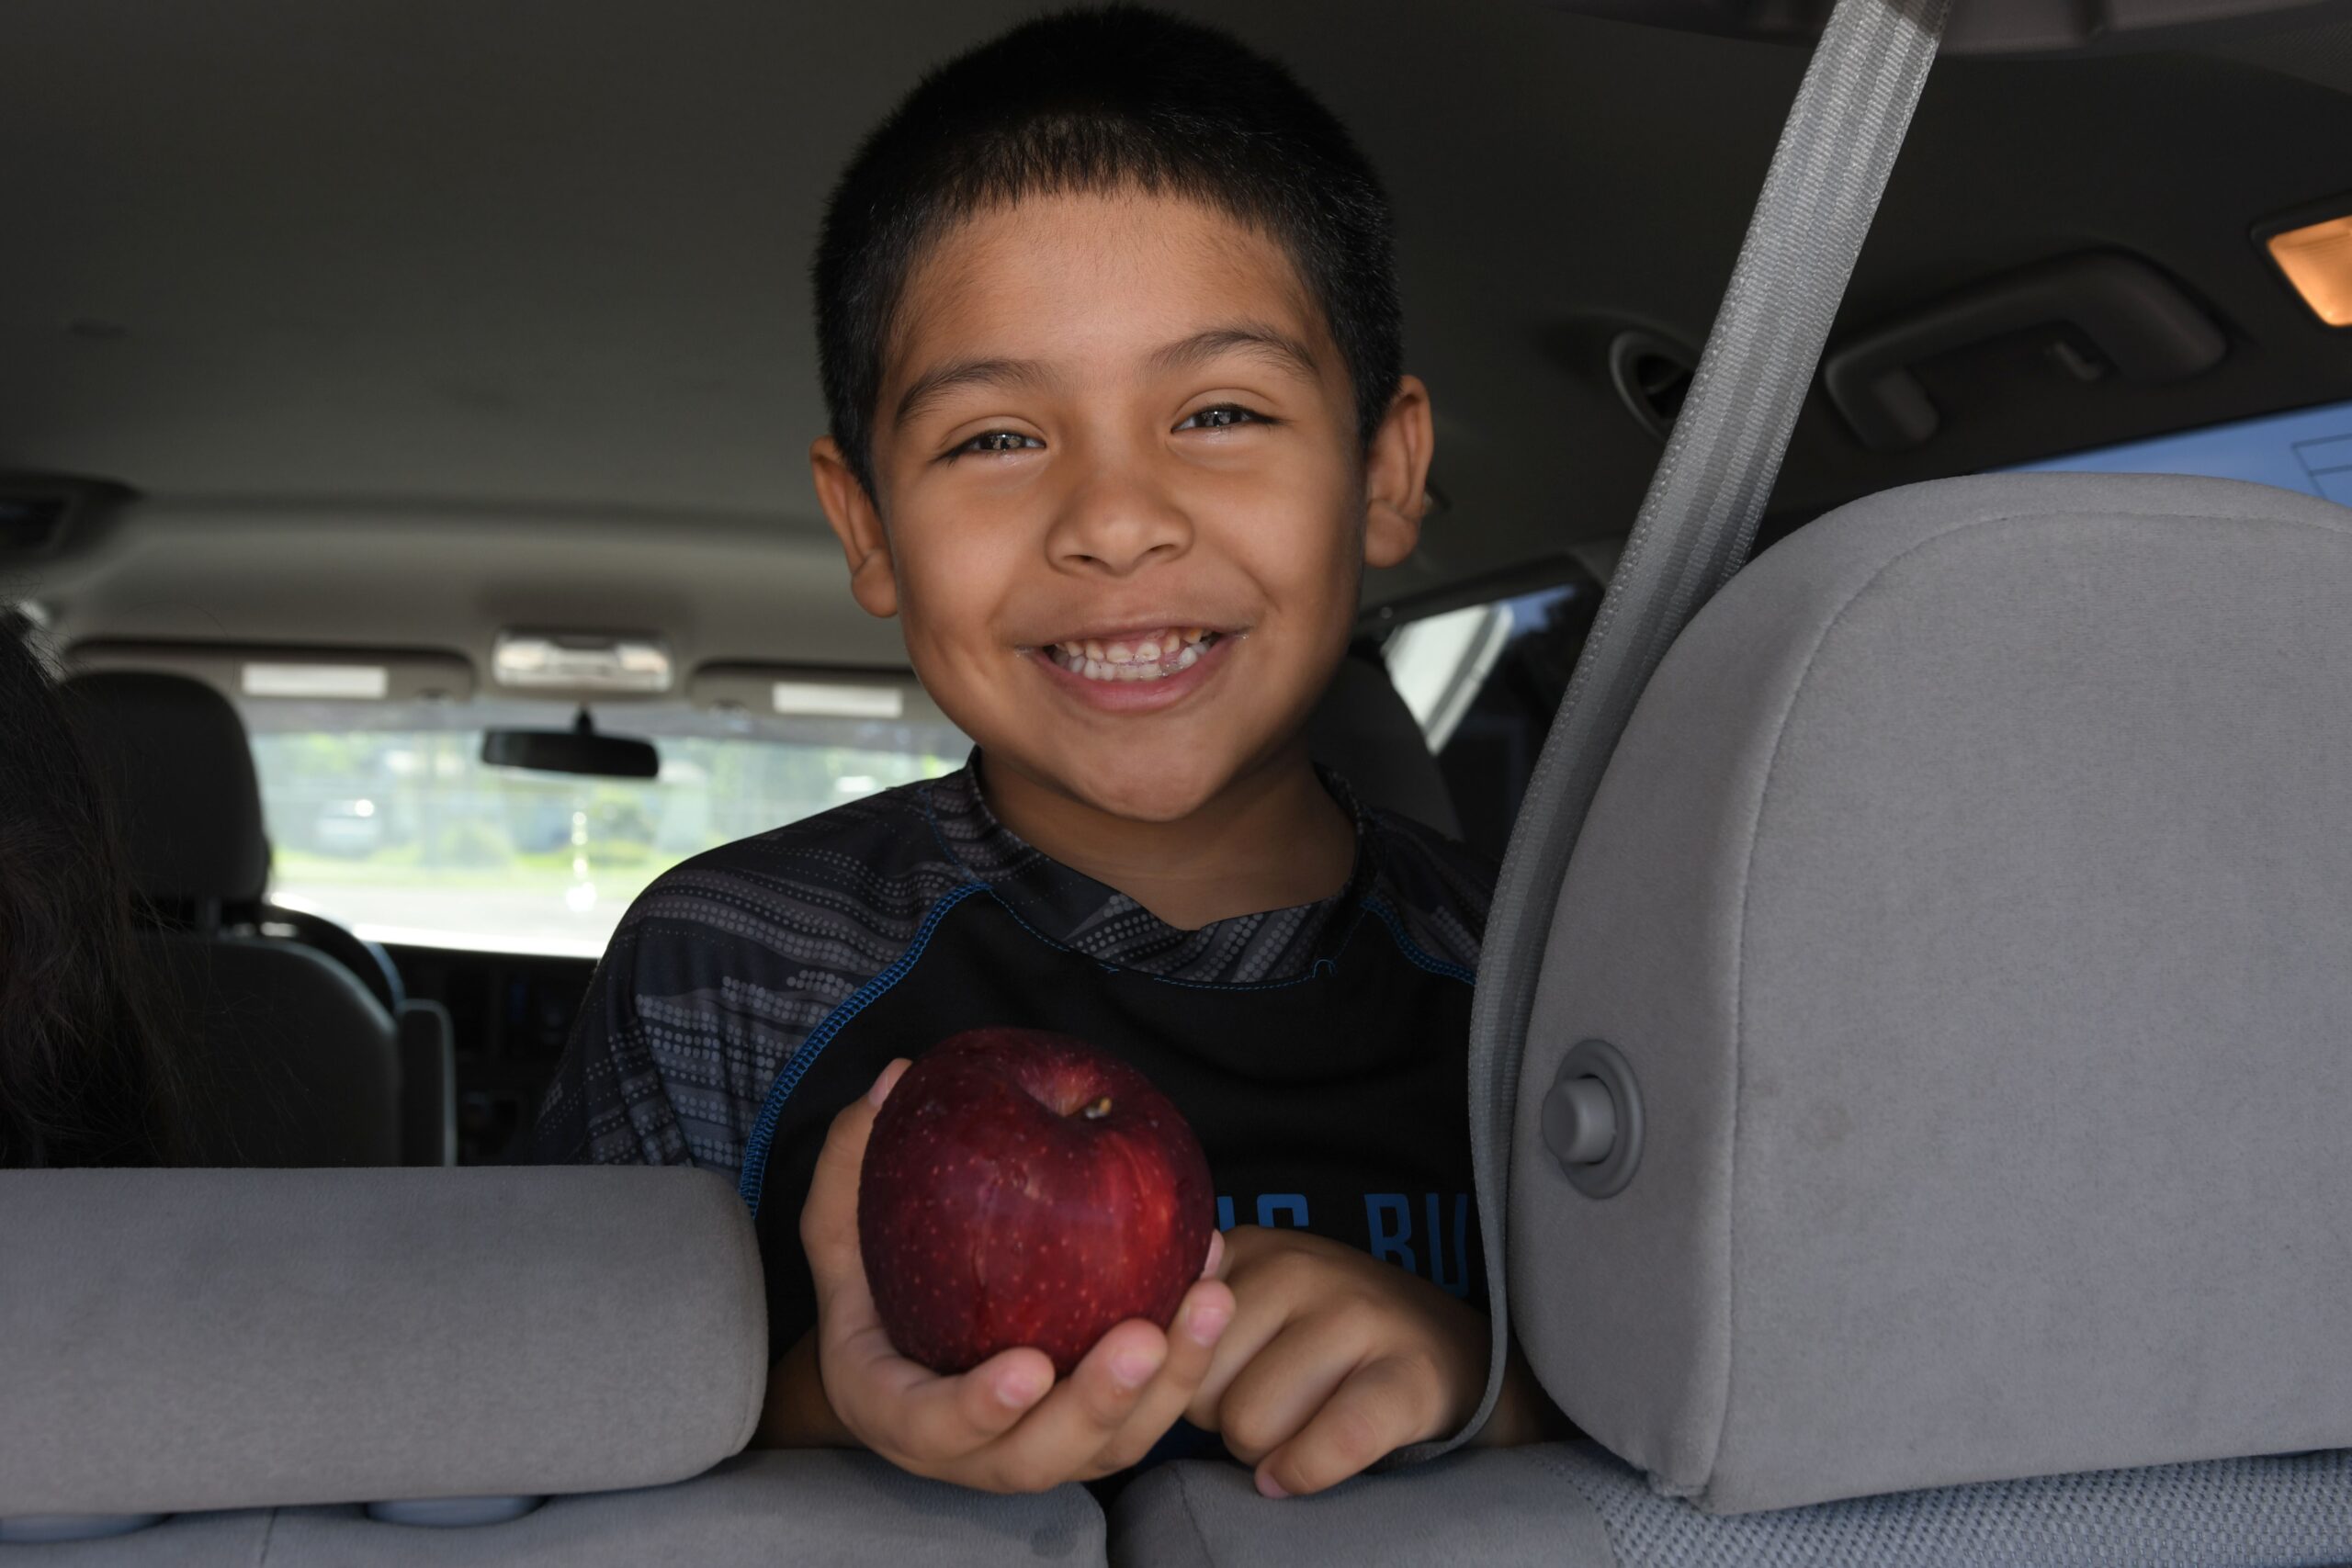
(383, 817)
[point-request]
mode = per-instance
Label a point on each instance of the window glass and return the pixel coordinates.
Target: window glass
(1484, 682)
(383, 817)
(2308, 450)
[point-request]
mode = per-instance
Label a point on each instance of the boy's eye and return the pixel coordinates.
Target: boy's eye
(992, 441)
(1222, 416)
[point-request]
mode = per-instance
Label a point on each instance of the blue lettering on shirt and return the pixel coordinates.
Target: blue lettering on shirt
(1292, 1203)
(1389, 1219)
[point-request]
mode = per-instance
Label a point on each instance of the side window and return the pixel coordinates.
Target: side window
(2308, 450)
(1484, 680)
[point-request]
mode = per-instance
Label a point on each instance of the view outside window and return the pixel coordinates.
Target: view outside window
(383, 817)
(2308, 450)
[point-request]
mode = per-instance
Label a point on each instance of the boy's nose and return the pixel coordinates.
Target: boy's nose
(1116, 525)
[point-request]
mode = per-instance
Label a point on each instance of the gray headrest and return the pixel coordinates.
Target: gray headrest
(1363, 731)
(173, 753)
(173, 1340)
(1971, 900)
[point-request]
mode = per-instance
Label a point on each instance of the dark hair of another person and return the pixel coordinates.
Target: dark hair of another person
(1118, 98)
(84, 1080)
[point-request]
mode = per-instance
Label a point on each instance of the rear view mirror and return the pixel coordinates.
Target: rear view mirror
(580, 750)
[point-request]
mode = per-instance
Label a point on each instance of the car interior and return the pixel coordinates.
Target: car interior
(1913, 1061)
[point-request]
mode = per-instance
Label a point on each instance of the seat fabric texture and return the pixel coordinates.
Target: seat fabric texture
(1971, 895)
(1576, 1505)
(816, 1508)
(1475, 1505)
(173, 1340)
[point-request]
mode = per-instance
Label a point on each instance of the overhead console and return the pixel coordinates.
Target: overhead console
(2087, 318)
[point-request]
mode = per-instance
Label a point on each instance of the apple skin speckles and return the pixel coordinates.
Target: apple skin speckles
(1001, 1203)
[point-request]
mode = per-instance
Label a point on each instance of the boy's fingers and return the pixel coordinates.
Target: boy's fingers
(1255, 1325)
(921, 1419)
(1377, 1411)
(1271, 1398)
(951, 1417)
(1200, 1321)
(1061, 1439)
(1215, 1267)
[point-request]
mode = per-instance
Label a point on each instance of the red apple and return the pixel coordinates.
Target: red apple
(1023, 1188)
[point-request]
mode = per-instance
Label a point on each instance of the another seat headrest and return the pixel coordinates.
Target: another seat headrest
(173, 753)
(1971, 901)
(1363, 729)
(179, 1340)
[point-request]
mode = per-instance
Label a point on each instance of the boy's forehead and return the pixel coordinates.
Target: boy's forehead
(1093, 279)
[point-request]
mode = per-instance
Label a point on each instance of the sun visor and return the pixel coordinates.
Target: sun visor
(306, 674)
(806, 692)
(1990, 26)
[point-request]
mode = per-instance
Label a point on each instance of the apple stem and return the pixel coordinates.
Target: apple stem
(1098, 1110)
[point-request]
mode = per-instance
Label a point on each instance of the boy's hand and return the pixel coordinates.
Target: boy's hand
(1334, 1360)
(1005, 1426)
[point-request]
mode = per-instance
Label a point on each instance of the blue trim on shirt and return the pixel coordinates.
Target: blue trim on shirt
(1434, 965)
(754, 1175)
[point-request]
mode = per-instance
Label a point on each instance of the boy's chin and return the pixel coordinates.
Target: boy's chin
(1158, 800)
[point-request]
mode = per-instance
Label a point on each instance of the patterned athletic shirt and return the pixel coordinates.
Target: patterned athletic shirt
(697, 1030)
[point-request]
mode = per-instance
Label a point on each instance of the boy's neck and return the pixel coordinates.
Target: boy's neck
(1271, 839)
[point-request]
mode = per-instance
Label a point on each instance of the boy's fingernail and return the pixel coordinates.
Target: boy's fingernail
(1206, 1323)
(1268, 1486)
(1133, 1369)
(883, 1083)
(1017, 1389)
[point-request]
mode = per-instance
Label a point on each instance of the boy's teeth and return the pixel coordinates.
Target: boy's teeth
(1150, 658)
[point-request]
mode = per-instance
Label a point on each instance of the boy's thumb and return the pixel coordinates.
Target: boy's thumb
(887, 1081)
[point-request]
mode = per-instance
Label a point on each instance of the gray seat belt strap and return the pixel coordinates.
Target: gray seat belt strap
(1696, 528)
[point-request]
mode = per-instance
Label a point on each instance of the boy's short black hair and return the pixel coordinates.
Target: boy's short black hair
(1098, 100)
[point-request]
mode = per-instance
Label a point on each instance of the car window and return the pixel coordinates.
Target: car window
(2308, 450)
(1483, 682)
(383, 817)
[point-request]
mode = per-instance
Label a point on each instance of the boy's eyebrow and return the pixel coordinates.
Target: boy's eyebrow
(940, 379)
(1253, 337)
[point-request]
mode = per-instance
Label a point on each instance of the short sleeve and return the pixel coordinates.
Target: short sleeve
(608, 1103)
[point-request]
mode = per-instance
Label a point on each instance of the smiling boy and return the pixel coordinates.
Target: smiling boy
(1111, 350)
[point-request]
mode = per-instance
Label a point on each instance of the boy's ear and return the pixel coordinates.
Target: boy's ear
(857, 524)
(1396, 475)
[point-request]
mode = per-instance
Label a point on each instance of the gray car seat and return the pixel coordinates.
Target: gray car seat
(1968, 909)
(299, 1368)
(293, 1056)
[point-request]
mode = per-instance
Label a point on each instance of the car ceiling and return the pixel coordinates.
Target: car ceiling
(409, 322)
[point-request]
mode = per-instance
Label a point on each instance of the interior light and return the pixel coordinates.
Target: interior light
(366, 682)
(2317, 259)
(580, 664)
(839, 699)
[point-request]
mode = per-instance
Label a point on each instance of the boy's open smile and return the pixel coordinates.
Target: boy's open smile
(1134, 672)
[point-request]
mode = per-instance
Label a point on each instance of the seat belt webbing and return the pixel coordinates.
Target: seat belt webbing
(1694, 529)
